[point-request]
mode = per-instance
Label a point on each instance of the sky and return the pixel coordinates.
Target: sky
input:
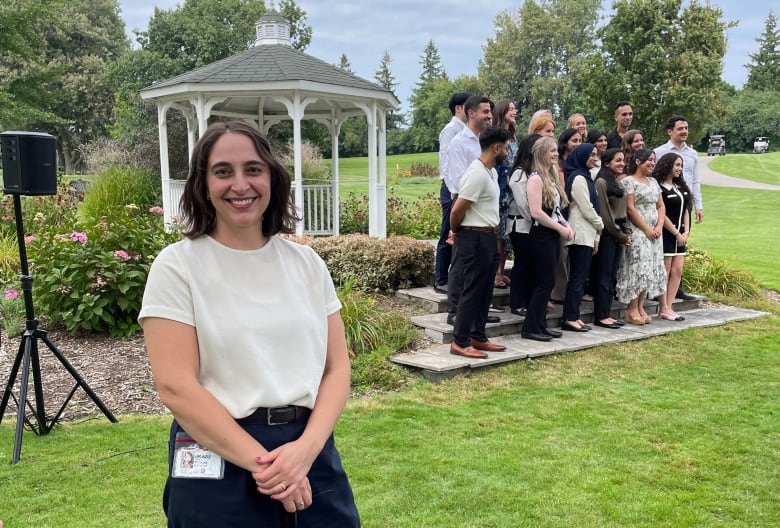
(364, 29)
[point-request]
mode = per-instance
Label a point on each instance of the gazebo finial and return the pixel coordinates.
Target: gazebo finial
(272, 29)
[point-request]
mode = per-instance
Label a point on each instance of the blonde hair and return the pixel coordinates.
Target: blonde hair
(542, 165)
(539, 123)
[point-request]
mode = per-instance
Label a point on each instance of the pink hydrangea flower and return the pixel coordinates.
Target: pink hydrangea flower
(121, 254)
(11, 294)
(29, 238)
(156, 210)
(77, 236)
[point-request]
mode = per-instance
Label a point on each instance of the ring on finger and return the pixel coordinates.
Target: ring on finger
(283, 485)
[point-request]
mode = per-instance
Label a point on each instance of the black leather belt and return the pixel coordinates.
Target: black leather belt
(278, 415)
(483, 229)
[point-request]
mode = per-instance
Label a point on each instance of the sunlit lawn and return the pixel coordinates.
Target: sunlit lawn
(764, 168)
(353, 176)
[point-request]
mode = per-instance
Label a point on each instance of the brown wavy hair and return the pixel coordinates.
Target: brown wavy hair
(199, 214)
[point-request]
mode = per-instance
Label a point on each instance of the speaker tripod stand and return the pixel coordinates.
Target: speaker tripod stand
(28, 359)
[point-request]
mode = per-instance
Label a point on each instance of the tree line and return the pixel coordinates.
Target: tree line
(67, 67)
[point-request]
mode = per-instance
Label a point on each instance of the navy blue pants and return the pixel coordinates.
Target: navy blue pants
(234, 502)
(443, 249)
(579, 268)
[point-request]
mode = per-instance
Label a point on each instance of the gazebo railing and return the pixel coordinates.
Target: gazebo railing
(317, 206)
(317, 209)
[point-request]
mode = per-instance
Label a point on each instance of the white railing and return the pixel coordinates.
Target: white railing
(317, 206)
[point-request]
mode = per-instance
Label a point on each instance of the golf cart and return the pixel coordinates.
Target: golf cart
(761, 145)
(717, 146)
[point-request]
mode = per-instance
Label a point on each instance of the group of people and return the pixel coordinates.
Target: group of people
(588, 214)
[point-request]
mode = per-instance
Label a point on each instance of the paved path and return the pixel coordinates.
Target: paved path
(710, 177)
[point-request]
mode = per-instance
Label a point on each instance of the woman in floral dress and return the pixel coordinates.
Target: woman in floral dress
(642, 273)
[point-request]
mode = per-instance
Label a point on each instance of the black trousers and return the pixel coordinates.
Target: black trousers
(518, 290)
(604, 275)
(543, 248)
(579, 267)
(443, 249)
(470, 289)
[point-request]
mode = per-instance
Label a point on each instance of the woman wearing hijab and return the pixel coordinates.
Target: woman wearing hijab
(587, 224)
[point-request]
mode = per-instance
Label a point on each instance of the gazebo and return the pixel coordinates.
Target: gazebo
(273, 82)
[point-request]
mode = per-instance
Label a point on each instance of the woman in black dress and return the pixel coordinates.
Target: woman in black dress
(677, 200)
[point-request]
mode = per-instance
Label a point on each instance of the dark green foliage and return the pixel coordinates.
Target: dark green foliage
(709, 276)
(764, 67)
(117, 187)
(372, 264)
(751, 114)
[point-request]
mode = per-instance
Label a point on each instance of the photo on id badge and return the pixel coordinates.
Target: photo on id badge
(191, 460)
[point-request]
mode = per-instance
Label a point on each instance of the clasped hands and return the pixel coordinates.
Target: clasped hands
(654, 233)
(283, 476)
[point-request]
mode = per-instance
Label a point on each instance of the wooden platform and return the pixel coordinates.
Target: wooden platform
(437, 363)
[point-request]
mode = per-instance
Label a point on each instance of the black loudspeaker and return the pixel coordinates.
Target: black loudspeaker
(29, 163)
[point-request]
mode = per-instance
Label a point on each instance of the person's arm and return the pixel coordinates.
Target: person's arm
(682, 238)
(696, 191)
(173, 355)
(457, 163)
(534, 190)
(606, 213)
(581, 196)
(291, 462)
(458, 212)
(633, 212)
(660, 208)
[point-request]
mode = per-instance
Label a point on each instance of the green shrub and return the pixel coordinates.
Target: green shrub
(52, 211)
(706, 275)
(94, 279)
(376, 264)
(420, 219)
(12, 312)
(373, 334)
(116, 187)
(425, 170)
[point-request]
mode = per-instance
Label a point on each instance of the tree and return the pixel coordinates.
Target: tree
(664, 59)
(431, 110)
(300, 31)
(23, 67)
(344, 64)
(431, 63)
(384, 77)
(87, 37)
(751, 113)
(534, 57)
(764, 68)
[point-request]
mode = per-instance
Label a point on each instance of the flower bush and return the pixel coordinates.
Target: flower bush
(420, 219)
(93, 278)
(12, 313)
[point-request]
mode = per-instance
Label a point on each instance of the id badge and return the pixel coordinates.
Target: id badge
(191, 460)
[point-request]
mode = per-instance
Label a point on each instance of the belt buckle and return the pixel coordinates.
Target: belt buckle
(271, 413)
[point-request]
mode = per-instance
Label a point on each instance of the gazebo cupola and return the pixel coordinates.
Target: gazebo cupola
(272, 29)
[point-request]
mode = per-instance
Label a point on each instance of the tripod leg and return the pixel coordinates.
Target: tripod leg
(26, 344)
(11, 380)
(79, 379)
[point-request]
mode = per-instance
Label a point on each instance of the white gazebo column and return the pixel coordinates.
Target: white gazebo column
(335, 129)
(296, 109)
(381, 188)
(165, 168)
(372, 168)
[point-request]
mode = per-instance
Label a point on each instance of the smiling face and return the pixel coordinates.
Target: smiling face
(482, 117)
(679, 134)
(593, 159)
(601, 144)
(623, 117)
(646, 167)
(511, 114)
(637, 143)
(548, 130)
(578, 121)
(677, 168)
(617, 164)
(239, 187)
(574, 142)
(552, 154)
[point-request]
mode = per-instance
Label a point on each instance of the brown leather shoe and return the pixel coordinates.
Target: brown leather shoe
(487, 346)
(469, 352)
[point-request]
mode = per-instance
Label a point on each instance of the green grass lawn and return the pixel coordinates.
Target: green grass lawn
(676, 431)
(763, 168)
(353, 176)
(738, 227)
